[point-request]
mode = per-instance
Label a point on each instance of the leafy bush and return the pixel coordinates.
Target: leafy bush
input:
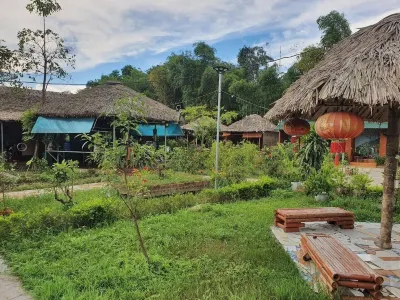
(323, 180)
(91, 213)
(359, 183)
(281, 162)
(236, 162)
(190, 160)
(380, 160)
(240, 191)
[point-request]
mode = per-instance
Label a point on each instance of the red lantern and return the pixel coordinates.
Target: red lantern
(338, 147)
(296, 127)
(339, 126)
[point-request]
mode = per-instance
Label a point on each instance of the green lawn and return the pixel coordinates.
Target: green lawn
(218, 252)
(207, 252)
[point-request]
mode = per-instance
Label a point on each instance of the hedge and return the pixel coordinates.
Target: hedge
(97, 212)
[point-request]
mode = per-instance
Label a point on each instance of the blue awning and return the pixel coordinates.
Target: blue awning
(61, 125)
(148, 129)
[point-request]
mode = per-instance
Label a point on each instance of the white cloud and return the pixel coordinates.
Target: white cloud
(106, 31)
(62, 88)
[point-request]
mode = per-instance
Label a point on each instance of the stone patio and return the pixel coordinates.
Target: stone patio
(359, 240)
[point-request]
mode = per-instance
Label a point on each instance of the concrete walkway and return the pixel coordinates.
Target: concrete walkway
(10, 286)
(26, 193)
(376, 174)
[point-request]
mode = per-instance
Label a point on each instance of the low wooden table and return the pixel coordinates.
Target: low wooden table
(292, 219)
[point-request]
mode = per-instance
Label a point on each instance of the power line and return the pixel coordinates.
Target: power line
(247, 101)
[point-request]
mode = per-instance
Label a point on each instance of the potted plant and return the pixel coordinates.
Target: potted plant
(319, 185)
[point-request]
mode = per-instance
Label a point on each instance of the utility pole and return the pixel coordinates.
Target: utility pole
(220, 70)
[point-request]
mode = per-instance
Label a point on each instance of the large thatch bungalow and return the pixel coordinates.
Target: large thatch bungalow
(359, 75)
(89, 110)
(253, 128)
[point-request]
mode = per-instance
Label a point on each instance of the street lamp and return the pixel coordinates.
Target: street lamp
(220, 70)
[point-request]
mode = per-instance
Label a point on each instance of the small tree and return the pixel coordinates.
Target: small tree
(63, 176)
(120, 161)
(42, 52)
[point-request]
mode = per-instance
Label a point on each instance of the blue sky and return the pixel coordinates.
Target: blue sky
(107, 34)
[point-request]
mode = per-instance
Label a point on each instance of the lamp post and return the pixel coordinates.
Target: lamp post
(220, 70)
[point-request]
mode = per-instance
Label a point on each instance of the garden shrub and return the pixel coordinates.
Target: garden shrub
(359, 183)
(190, 160)
(374, 191)
(90, 213)
(380, 160)
(240, 191)
(236, 162)
(281, 162)
(93, 212)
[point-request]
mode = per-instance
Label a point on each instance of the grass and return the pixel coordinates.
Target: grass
(206, 252)
(216, 252)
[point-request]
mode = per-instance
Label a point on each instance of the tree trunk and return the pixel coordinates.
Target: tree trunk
(140, 238)
(44, 87)
(36, 150)
(388, 199)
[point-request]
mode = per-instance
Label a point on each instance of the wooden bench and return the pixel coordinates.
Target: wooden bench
(292, 219)
(338, 266)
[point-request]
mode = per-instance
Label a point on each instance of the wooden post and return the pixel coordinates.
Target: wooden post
(388, 199)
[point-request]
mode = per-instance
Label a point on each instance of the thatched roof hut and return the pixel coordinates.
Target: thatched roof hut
(252, 123)
(361, 74)
(89, 102)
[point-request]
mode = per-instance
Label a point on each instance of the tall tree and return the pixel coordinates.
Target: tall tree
(8, 65)
(293, 73)
(205, 53)
(270, 85)
(252, 59)
(43, 51)
(335, 27)
(309, 57)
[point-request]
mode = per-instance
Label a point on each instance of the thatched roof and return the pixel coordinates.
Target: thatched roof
(89, 102)
(252, 123)
(361, 74)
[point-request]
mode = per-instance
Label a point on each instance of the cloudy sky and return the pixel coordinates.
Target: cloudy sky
(108, 34)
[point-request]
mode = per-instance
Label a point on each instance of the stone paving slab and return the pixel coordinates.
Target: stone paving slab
(360, 240)
(10, 286)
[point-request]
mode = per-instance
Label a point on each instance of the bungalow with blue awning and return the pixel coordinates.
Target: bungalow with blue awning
(62, 117)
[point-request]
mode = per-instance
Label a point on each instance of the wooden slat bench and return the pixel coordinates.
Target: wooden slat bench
(292, 219)
(339, 266)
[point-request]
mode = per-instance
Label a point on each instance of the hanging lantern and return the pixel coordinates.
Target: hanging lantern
(339, 126)
(296, 127)
(338, 147)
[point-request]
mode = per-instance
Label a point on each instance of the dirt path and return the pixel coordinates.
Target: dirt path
(26, 193)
